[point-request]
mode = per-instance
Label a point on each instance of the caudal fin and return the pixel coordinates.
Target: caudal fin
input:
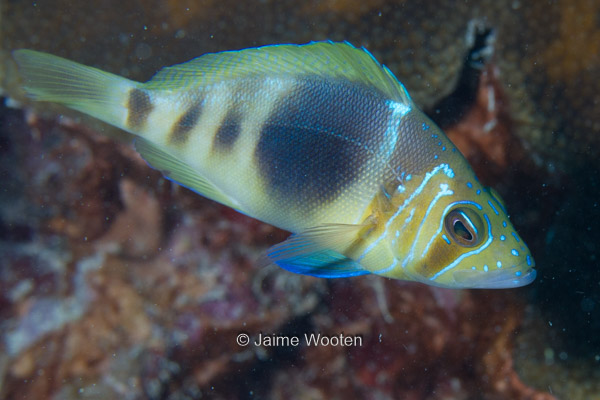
(94, 92)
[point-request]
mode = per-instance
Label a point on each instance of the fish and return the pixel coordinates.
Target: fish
(318, 139)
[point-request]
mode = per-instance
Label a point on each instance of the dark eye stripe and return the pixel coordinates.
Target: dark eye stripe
(473, 252)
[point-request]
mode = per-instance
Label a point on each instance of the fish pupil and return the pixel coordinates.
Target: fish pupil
(461, 230)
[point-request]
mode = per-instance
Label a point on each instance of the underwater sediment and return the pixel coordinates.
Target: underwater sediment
(117, 282)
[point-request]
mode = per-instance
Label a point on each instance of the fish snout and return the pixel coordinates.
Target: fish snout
(501, 278)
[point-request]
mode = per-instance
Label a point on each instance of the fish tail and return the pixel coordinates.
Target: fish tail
(94, 92)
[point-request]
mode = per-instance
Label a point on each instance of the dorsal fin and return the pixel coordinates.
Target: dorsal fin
(329, 59)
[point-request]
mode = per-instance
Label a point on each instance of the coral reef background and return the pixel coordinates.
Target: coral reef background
(115, 282)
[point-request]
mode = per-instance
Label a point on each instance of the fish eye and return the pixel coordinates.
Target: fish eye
(464, 226)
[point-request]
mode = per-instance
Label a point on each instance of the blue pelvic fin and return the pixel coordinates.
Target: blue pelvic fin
(311, 252)
(323, 264)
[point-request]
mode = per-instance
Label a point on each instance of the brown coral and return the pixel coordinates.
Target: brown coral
(436, 344)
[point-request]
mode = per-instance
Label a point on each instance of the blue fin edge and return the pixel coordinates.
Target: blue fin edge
(323, 264)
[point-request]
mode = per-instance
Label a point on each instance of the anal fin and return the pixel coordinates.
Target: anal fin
(178, 171)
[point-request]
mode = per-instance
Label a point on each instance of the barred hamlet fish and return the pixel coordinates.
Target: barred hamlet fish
(318, 139)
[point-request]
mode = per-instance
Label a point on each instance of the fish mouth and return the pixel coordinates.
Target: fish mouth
(497, 279)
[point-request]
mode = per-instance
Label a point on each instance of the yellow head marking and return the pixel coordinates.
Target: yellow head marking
(454, 233)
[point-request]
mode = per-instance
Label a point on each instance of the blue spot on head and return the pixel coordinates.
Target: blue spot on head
(485, 268)
(473, 268)
(515, 236)
(434, 136)
(528, 260)
(454, 149)
(502, 237)
(446, 238)
(439, 143)
(499, 264)
(514, 252)
(504, 224)
(444, 148)
(518, 273)
(435, 157)
(408, 177)
(469, 185)
(478, 191)
(425, 126)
